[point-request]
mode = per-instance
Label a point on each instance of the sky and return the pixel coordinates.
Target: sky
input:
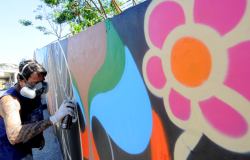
(17, 41)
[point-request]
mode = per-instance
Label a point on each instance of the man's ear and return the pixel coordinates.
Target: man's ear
(21, 81)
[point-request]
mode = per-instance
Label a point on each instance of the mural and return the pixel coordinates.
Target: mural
(166, 79)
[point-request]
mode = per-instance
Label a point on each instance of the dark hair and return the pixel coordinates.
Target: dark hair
(33, 67)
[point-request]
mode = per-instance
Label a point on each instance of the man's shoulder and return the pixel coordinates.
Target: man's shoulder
(9, 100)
(8, 97)
(10, 91)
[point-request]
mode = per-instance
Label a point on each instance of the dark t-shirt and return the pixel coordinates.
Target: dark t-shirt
(31, 111)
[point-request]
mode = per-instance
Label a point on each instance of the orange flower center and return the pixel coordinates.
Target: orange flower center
(190, 62)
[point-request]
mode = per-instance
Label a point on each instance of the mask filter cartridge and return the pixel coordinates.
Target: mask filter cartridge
(28, 93)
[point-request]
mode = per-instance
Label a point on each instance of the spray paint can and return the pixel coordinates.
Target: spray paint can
(67, 121)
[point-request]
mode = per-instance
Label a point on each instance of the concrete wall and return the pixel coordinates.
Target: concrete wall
(10, 77)
(162, 80)
(2, 80)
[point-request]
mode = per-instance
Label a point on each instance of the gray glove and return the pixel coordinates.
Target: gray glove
(63, 111)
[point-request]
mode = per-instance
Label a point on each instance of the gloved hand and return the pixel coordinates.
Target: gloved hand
(63, 111)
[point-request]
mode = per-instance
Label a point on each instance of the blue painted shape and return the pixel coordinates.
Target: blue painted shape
(77, 97)
(41, 55)
(125, 112)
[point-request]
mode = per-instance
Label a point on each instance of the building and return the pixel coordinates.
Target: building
(8, 74)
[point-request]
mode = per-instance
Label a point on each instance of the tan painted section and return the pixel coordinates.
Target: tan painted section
(86, 54)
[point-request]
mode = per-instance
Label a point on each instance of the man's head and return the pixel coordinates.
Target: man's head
(32, 72)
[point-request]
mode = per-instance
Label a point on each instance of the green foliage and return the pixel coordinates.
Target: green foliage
(25, 22)
(48, 10)
(90, 17)
(75, 28)
(39, 7)
(68, 14)
(82, 14)
(39, 17)
(79, 14)
(44, 30)
(52, 2)
(113, 10)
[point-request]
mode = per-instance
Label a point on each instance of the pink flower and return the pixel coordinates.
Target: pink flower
(198, 62)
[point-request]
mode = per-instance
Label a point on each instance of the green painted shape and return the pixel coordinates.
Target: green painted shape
(112, 69)
(76, 87)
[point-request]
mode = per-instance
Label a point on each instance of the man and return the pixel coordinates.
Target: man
(21, 116)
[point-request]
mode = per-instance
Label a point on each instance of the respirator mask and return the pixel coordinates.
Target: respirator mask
(33, 91)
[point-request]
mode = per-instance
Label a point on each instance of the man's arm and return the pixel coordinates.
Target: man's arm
(17, 132)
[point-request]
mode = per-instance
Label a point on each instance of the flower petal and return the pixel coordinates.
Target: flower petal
(179, 105)
(222, 15)
(155, 72)
(163, 19)
(238, 75)
(223, 118)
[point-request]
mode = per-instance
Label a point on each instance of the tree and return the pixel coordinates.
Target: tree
(81, 14)
(48, 10)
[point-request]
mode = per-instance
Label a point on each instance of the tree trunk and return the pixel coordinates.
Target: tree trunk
(98, 9)
(103, 9)
(117, 6)
(134, 2)
(88, 4)
(79, 14)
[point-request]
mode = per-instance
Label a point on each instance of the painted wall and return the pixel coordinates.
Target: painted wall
(162, 80)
